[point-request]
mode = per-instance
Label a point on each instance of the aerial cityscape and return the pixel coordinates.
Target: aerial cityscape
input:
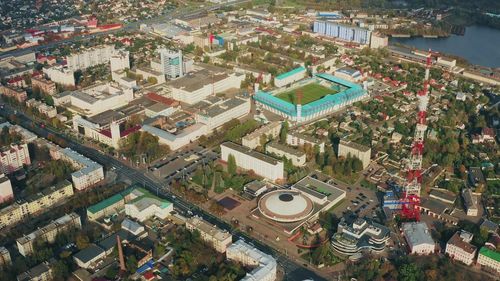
(253, 140)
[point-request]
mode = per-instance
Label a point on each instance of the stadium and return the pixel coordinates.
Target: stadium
(321, 95)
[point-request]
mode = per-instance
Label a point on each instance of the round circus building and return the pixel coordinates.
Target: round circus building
(285, 206)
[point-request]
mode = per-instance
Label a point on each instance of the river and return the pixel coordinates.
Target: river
(480, 45)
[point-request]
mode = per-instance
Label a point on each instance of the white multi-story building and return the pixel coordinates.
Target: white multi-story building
(179, 138)
(459, 247)
(297, 139)
(109, 134)
(119, 60)
(419, 238)
(252, 140)
(42, 108)
(60, 75)
(48, 233)
(6, 192)
(219, 113)
(13, 157)
(470, 202)
(357, 150)
(265, 265)
(360, 235)
(290, 77)
(89, 172)
(217, 238)
(297, 157)
(378, 40)
(263, 165)
(171, 63)
(489, 258)
(145, 205)
(95, 99)
(90, 57)
(199, 85)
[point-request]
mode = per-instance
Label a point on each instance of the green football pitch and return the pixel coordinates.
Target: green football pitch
(310, 93)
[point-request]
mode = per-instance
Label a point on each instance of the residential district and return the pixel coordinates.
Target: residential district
(239, 140)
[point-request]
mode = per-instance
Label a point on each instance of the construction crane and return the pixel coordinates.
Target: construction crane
(410, 199)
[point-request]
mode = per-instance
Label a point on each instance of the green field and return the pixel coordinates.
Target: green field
(310, 93)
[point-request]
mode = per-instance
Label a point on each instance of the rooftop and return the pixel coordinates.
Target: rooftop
(105, 203)
(285, 149)
(458, 241)
(251, 153)
(209, 229)
(492, 254)
(417, 233)
(88, 254)
(355, 145)
(290, 73)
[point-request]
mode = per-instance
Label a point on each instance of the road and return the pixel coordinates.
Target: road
(183, 13)
(293, 270)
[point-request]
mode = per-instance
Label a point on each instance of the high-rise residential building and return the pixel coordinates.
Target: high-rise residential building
(6, 193)
(343, 32)
(5, 258)
(90, 57)
(14, 157)
(171, 63)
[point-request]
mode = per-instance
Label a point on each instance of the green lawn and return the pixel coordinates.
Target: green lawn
(310, 93)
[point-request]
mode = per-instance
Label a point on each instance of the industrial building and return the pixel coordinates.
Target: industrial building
(95, 99)
(207, 81)
(350, 148)
(459, 247)
(217, 238)
(355, 236)
(263, 165)
(217, 114)
(419, 238)
(48, 233)
(265, 265)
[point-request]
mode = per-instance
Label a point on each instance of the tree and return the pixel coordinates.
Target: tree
(82, 241)
(409, 272)
(284, 132)
(231, 165)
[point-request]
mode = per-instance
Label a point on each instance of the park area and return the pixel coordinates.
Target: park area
(310, 92)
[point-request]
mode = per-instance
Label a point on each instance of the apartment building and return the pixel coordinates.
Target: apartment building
(357, 150)
(6, 192)
(89, 172)
(41, 272)
(264, 265)
(297, 157)
(18, 94)
(263, 165)
(60, 75)
(471, 202)
(252, 140)
(13, 157)
(48, 233)
(217, 238)
(90, 57)
(35, 204)
(45, 86)
(298, 139)
(42, 108)
(5, 258)
(171, 63)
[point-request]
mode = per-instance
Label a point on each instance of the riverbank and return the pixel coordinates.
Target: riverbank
(478, 46)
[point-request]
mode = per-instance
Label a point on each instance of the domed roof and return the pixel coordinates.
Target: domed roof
(285, 206)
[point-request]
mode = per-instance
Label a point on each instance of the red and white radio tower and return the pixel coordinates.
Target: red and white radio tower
(410, 200)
